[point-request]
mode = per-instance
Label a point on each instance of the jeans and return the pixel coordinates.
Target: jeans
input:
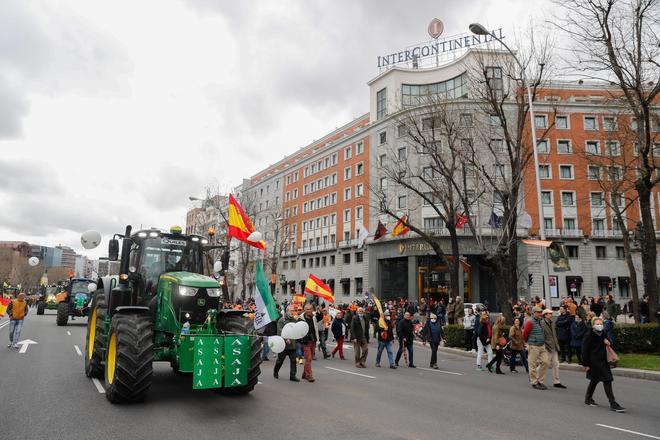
(339, 348)
(523, 358)
(264, 348)
(469, 333)
(409, 348)
(292, 362)
(480, 350)
(15, 327)
(323, 336)
(387, 346)
(299, 350)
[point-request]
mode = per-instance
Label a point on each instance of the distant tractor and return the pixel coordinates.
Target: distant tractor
(164, 309)
(74, 301)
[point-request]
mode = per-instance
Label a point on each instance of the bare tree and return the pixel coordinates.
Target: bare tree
(617, 41)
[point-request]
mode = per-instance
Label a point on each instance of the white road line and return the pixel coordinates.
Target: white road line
(259, 383)
(78, 350)
(350, 372)
(4, 324)
(439, 371)
(98, 385)
(68, 332)
(627, 430)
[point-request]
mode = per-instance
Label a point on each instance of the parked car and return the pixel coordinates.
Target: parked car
(476, 307)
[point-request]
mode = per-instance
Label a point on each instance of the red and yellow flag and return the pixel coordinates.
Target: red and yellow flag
(4, 303)
(316, 287)
(401, 227)
(240, 225)
(299, 299)
(381, 319)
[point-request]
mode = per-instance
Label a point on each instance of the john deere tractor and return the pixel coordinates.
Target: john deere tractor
(74, 300)
(164, 309)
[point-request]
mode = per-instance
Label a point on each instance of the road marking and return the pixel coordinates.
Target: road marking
(439, 371)
(68, 332)
(78, 350)
(4, 324)
(98, 385)
(627, 430)
(259, 383)
(350, 372)
(25, 344)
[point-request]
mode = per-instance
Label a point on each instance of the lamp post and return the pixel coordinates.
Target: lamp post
(479, 29)
(276, 255)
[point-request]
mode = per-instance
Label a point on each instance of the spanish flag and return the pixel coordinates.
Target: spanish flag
(381, 319)
(401, 227)
(316, 287)
(299, 299)
(4, 303)
(240, 225)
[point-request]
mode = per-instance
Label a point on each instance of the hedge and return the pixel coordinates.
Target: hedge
(629, 338)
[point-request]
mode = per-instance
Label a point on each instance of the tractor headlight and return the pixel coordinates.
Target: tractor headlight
(215, 292)
(188, 291)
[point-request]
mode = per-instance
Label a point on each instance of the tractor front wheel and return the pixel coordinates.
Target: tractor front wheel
(62, 313)
(94, 341)
(245, 326)
(129, 358)
(41, 306)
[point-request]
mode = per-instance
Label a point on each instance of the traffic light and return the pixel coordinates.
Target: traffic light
(531, 279)
(614, 282)
(609, 286)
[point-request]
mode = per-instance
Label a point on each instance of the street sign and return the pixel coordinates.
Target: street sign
(25, 344)
(207, 372)
(237, 360)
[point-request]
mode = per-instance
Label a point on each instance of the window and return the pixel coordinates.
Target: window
(566, 172)
(597, 199)
(564, 146)
(346, 289)
(593, 172)
(546, 198)
(497, 145)
(347, 258)
(427, 172)
(428, 123)
(540, 121)
(561, 122)
(601, 252)
(548, 223)
(572, 252)
(401, 130)
(382, 137)
(348, 153)
(333, 219)
(347, 194)
(590, 123)
(433, 224)
(358, 213)
(296, 176)
(614, 173)
(358, 285)
(347, 215)
(359, 190)
(304, 261)
(288, 179)
(592, 147)
(347, 173)
(620, 253)
(544, 172)
(617, 199)
(383, 182)
(401, 153)
(403, 202)
(295, 193)
(359, 148)
(499, 171)
(543, 146)
(381, 103)
(569, 223)
(381, 160)
(358, 257)
(416, 94)
(359, 169)
(612, 148)
(347, 235)
(332, 260)
(465, 120)
(494, 120)
(494, 78)
(567, 198)
(598, 224)
(609, 123)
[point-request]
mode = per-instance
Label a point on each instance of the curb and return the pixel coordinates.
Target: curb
(621, 372)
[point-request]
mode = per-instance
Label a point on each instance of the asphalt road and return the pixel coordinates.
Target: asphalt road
(44, 394)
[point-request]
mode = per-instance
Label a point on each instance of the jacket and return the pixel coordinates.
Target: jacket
(533, 332)
(563, 326)
(516, 337)
(359, 332)
(469, 321)
(291, 345)
(484, 336)
(594, 356)
(18, 307)
(432, 334)
(578, 329)
(337, 328)
(404, 330)
(388, 334)
(497, 331)
(550, 334)
(313, 332)
(459, 309)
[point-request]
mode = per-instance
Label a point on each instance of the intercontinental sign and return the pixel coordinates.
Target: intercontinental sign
(438, 48)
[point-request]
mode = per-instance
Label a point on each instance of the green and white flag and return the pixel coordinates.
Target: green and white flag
(266, 311)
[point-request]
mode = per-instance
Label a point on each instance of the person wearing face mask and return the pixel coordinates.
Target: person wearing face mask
(594, 360)
(289, 348)
(468, 326)
(385, 338)
(404, 332)
(360, 335)
(338, 330)
(432, 332)
(309, 341)
(551, 347)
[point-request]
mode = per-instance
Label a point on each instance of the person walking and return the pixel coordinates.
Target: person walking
(17, 310)
(594, 360)
(468, 327)
(563, 325)
(517, 346)
(432, 332)
(451, 311)
(497, 343)
(309, 341)
(483, 340)
(534, 335)
(404, 332)
(422, 310)
(459, 311)
(338, 329)
(385, 338)
(552, 347)
(578, 330)
(289, 348)
(360, 335)
(269, 330)
(323, 322)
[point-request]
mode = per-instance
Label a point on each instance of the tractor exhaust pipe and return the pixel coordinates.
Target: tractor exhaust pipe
(125, 254)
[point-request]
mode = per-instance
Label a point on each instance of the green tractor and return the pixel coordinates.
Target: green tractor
(163, 308)
(74, 300)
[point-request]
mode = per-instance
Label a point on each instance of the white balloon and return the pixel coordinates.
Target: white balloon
(33, 261)
(217, 266)
(301, 329)
(91, 287)
(90, 239)
(256, 236)
(289, 331)
(276, 344)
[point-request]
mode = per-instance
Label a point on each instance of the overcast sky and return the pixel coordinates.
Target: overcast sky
(115, 112)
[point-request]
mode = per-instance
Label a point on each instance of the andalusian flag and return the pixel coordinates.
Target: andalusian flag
(316, 287)
(240, 225)
(266, 311)
(401, 227)
(4, 303)
(299, 299)
(379, 306)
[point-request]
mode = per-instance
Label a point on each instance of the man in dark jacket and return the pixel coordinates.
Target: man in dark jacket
(563, 325)
(338, 331)
(406, 337)
(432, 332)
(309, 341)
(360, 335)
(578, 330)
(290, 347)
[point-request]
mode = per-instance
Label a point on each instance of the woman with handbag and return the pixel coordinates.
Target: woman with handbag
(497, 342)
(597, 354)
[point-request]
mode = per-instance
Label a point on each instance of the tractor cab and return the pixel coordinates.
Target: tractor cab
(77, 292)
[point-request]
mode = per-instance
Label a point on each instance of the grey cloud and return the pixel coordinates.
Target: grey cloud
(28, 177)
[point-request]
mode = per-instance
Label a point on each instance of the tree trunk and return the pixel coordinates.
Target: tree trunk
(455, 264)
(633, 276)
(649, 251)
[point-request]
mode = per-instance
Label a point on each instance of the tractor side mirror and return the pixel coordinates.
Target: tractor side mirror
(217, 266)
(113, 250)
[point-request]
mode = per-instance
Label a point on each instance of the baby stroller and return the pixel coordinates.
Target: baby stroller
(506, 356)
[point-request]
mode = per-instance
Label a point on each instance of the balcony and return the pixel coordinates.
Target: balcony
(573, 233)
(606, 233)
(553, 232)
(348, 243)
(317, 248)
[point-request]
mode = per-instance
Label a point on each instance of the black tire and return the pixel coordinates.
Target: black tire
(244, 326)
(97, 314)
(133, 358)
(62, 313)
(41, 306)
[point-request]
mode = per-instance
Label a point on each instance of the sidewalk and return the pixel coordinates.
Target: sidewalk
(622, 372)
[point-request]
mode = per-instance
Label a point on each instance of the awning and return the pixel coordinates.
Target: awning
(345, 281)
(602, 279)
(542, 243)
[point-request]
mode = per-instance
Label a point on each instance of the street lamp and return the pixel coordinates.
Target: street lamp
(479, 29)
(276, 255)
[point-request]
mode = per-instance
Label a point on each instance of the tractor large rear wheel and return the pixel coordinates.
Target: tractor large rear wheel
(94, 342)
(41, 306)
(62, 313)
(129, 358)
(244, 326)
